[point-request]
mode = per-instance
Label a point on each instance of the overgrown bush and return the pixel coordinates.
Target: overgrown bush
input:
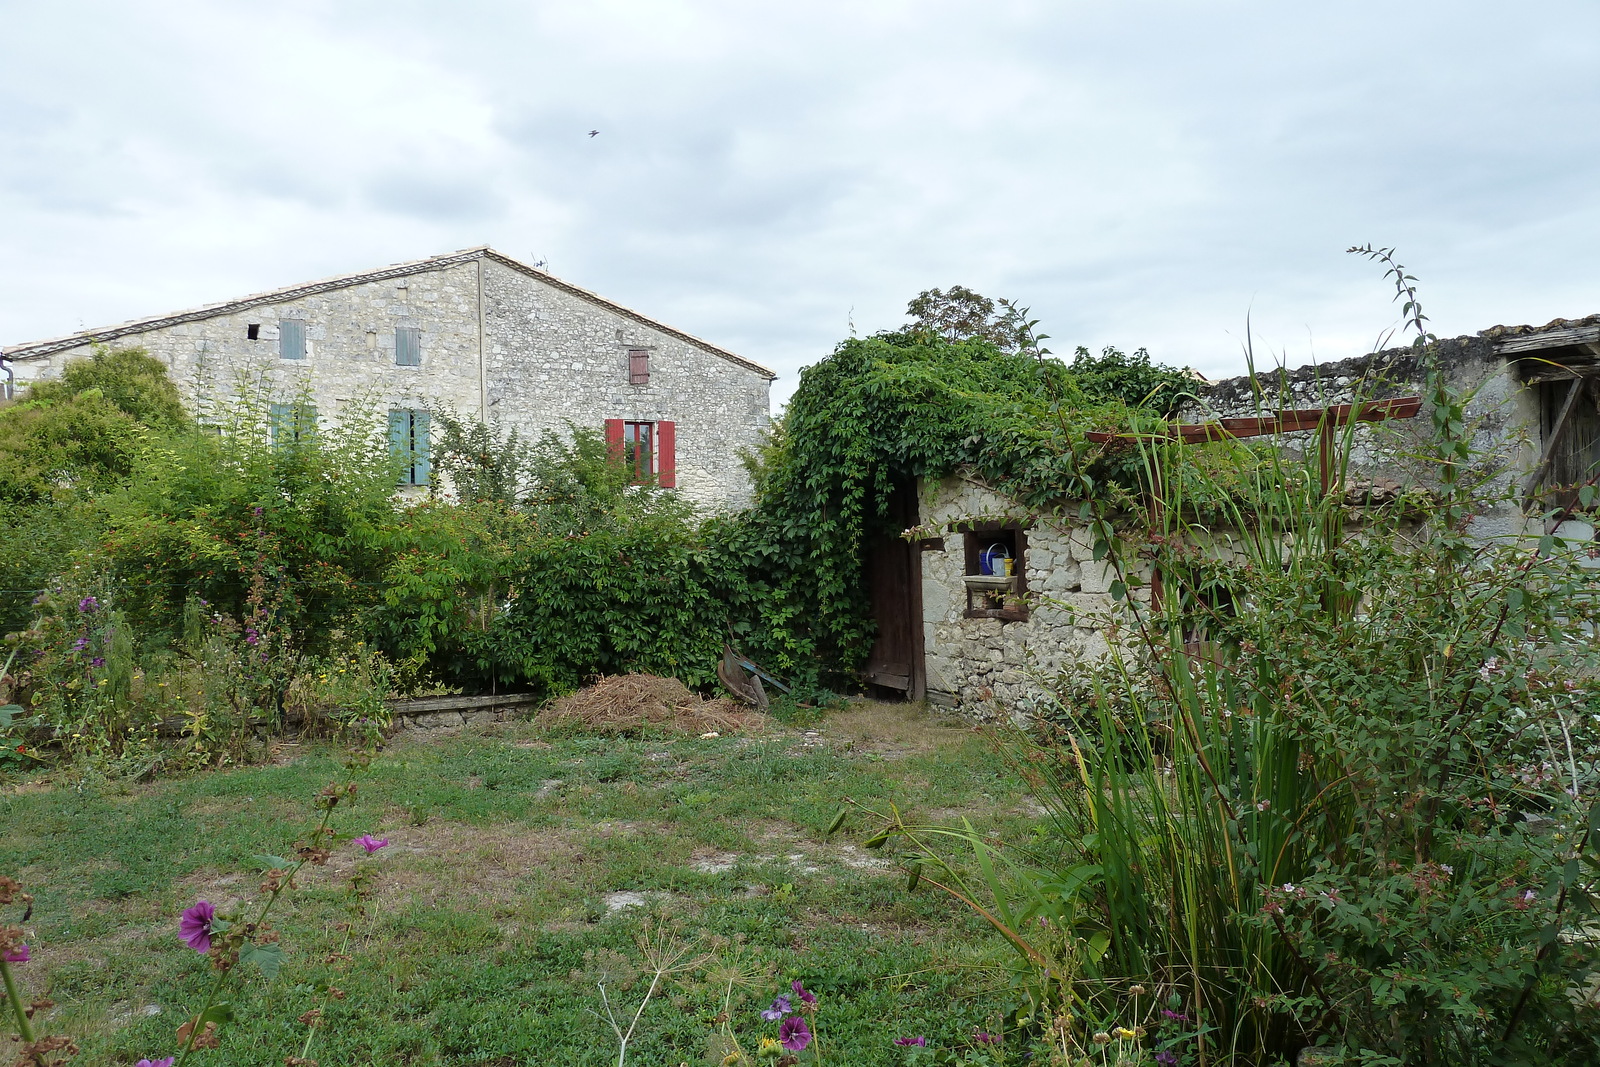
(1343, 805)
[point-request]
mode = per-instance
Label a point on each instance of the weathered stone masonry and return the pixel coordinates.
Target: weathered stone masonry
(499, 340)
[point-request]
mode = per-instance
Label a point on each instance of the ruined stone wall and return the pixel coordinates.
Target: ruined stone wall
(984, 666)
(1502, 413)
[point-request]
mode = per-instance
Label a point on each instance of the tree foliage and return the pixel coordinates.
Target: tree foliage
(961, 314)
(83, 431)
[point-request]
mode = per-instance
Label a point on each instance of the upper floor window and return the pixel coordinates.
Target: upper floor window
(408, 442)
(252, 331)
(408, 346)
(292, 424)
(292, 339)
(638, 366)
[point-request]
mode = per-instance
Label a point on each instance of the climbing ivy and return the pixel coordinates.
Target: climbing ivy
(887, 410)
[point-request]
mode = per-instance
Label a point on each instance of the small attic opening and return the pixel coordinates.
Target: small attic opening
(253, 331)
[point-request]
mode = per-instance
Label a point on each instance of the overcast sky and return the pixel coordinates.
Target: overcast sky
(1139, 172)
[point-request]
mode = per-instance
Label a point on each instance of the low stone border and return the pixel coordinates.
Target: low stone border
(442, 713)
(429, 713)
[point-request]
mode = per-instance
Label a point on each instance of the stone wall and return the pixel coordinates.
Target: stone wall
(1503, 414)
(984, 666)
(541, 356)
(349, 348)
(553, 360)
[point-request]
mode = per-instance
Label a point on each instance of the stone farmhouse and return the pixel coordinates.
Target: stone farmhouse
(952, 632)
(475, 332)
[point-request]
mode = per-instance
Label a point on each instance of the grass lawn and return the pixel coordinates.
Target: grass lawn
(521, 868)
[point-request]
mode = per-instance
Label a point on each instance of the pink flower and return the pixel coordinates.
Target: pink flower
(793, 1034)
(195, 926)
(371, 844)
(165, 1061)
(800, 991)
(920, 1042)
(16, 955)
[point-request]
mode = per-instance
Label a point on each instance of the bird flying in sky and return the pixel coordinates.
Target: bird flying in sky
(594, 133)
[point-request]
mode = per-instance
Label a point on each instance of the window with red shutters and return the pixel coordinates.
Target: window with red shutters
(650, 449)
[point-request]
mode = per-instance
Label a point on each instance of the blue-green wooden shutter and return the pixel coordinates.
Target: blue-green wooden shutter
(282, 421)
(291, 339)
(419, 447)
(400, 441)
(408, 346)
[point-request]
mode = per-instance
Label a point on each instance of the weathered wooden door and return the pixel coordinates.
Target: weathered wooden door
(894, 580)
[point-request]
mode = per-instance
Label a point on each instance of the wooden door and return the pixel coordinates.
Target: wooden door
(894, 582)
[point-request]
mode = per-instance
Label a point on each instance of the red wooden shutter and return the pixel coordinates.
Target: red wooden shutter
(667, 455)
(614, 438)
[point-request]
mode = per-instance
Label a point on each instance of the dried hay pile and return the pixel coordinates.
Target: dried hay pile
(630, 703)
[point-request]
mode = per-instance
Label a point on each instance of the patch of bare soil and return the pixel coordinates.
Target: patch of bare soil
(446, 860)
(628, 703)
(878, 726)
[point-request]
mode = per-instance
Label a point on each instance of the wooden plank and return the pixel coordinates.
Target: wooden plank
(1550, 444)
(1534, 342)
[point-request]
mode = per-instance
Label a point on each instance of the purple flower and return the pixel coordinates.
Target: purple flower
(88, 604)
(920, 1042)
(251, 637)
(780, 1008)
(985, 1039)
(80, 644)
(1175, 1016)
(800, 991)
(793, 1034)
(1167, 1059)
(165, 1061)
(16, 955)
(371, 844)
(98, 661)
(195, 926)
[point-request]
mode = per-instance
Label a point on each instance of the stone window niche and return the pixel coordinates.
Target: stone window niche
(992, 595)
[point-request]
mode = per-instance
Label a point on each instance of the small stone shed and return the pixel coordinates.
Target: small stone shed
(1534, 408)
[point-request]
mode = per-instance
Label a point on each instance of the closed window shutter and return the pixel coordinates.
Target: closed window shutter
(667, 455)
(282, 425)
(639, 366)
(408, 346)
(400, 442)
(419, 447)
(291, 339)
(614, 438)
